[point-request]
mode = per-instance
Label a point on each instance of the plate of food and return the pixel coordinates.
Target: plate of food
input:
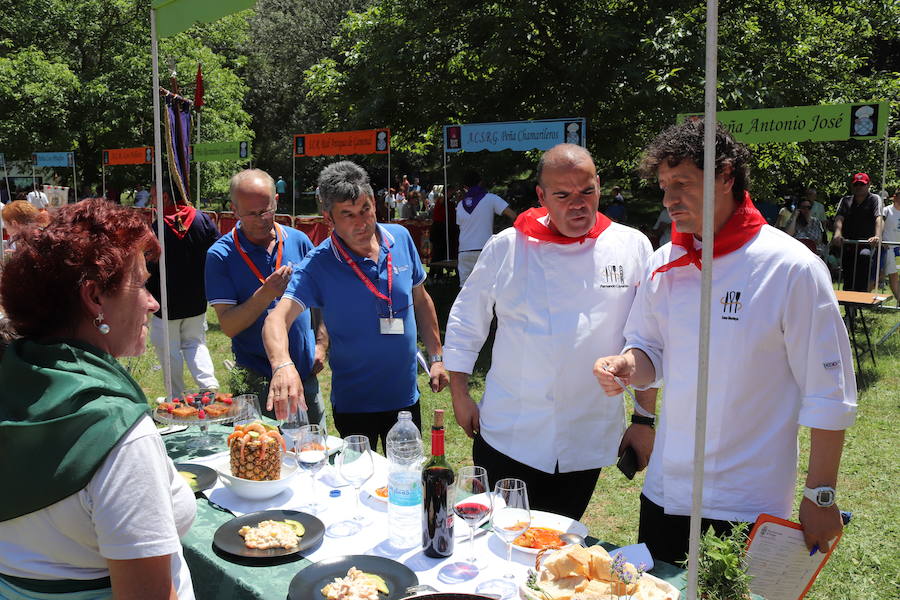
(203, 408)
(198, 477)
(269, 534)
(340, 577)
(544, 530)
(377, 488)
(591, 573)
(333, 444)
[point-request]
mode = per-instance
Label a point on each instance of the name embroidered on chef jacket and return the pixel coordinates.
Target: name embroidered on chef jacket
(614, 276)
(731, 305)
(832, 365)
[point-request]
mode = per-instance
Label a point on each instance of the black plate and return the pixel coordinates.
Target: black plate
(206, 477)
(227, 540)
(308, 583)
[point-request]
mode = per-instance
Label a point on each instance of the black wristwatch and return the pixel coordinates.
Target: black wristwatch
(639, 420)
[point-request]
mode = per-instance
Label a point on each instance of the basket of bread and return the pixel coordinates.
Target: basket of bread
(579, 573)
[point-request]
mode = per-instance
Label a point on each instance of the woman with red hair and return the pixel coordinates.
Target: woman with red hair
(18, 216)
(98, 507)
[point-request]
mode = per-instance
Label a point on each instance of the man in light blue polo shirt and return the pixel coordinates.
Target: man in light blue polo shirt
(247, 271)
(368, 280)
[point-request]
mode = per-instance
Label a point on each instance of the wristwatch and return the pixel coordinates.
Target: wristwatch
(822, 496)
(433, 358)
(639, 420)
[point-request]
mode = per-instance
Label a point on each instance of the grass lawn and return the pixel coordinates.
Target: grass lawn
(866, 564)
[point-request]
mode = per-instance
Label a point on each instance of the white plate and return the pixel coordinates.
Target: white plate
(333, 443)
(373, 484)
(540, 518)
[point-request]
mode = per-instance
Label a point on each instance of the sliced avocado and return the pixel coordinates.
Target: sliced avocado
(298, 528)
(380, 584)
(270, 427)
(254, 434)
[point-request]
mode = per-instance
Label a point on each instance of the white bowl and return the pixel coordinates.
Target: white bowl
(256, 490)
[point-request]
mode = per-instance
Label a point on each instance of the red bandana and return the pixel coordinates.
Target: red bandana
(529, 224)
(179, 221)
(743, 224)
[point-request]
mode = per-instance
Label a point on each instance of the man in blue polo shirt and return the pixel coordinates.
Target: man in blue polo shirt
(247, 271)
(367, 279)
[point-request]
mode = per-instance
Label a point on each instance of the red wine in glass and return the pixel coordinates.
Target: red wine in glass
(472, 512)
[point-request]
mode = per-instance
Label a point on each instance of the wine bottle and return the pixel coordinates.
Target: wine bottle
(437, 480)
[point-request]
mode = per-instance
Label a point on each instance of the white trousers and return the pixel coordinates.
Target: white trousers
(465, 263)
(187, 342)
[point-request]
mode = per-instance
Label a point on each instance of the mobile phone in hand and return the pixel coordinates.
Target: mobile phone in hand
(628, 462)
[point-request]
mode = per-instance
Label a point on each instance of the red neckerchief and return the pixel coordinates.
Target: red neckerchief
(179, 218)
(744, 223)
(529, 224)
(362, 276)
(279, 238)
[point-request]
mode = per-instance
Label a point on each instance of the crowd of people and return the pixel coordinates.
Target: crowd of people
(582, 304)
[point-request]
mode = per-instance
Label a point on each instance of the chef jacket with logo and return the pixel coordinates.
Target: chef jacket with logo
(779, 358)
(559, 307)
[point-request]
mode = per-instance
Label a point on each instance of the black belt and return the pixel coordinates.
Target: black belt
(57, 586)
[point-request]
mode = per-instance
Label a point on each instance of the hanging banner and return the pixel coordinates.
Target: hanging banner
(823, 123)
(53, 159)
(216, 151)
(514, 135)
(142, 155)
(366, 141)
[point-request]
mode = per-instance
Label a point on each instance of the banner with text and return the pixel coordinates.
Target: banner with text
(823, 123)
(53, 159)
(216, 151)
(365, 141)
(142, 155)
(514, 135)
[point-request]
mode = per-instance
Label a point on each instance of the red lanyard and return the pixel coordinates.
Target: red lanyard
(237, 244)
(362, 277)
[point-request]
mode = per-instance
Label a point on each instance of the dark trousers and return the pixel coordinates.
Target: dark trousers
(855, 268)
(668, 536)
(374, 425)
(561, 493)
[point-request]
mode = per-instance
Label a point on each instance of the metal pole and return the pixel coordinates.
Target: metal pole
(74, 176)
(9, 197)
(293, 182)
(197, 141)
(709, 175)
(103, 173)
(160, 227)
(887, 130)
(34, 181)
(388, 180)
(446, 207)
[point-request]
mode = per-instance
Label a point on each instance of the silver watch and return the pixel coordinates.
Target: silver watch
(822, 496)
(433, 358)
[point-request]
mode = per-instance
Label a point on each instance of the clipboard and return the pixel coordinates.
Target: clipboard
(778, 560)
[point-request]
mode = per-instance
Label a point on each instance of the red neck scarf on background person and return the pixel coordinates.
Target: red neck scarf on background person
(336, 242)
(279, 238)
(529, 224)
(744, 223)
(179, 218)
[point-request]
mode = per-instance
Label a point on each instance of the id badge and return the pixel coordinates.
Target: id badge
(391, 326)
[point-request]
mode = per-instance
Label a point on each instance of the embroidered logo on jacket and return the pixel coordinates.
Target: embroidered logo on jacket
(731, 306)
(614, 276)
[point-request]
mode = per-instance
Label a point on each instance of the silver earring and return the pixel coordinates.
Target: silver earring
(99, 324)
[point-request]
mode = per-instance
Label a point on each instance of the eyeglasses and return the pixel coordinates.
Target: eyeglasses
(260, 214)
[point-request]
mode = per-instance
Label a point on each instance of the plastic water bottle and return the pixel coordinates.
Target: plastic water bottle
(404, 452)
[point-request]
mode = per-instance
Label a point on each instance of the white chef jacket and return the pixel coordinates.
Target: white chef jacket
(559, 307)
(779, 357)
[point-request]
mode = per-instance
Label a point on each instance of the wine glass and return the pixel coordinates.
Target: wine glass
(472, 503)
(292, 426)
(356, 466)
(509, 519)
(311, 457)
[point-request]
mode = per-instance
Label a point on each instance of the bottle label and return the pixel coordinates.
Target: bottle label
(405, 491)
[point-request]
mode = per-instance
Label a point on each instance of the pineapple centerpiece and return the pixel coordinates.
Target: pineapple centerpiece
(256, 450)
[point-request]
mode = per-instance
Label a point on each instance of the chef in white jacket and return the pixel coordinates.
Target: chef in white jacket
(779, 358)
(561, 282)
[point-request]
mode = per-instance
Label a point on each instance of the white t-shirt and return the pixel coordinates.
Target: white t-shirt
(38, 199)
(559, 307)
(135, 506)
(779, 358)
(891, 232)
(475, 229)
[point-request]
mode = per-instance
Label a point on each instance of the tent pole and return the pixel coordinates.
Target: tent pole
(388, 178)
(74, 176)
(9, 197)
(887, 131)
(103, 173)
(34, 181)
(160, 227)
(709, 173)
(293, 184)
(446, 206)
(197, 141)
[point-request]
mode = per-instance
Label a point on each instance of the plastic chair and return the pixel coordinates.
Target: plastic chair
(227, 221)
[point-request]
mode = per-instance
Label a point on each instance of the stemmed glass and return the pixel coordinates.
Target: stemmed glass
(472, 503)
(291, 428)
(356, 466)
(510, 519)
(311, 457)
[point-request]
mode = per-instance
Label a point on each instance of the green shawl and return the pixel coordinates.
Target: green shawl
(64, 404)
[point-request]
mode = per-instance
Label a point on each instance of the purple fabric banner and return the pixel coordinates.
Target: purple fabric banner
(178, 132)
